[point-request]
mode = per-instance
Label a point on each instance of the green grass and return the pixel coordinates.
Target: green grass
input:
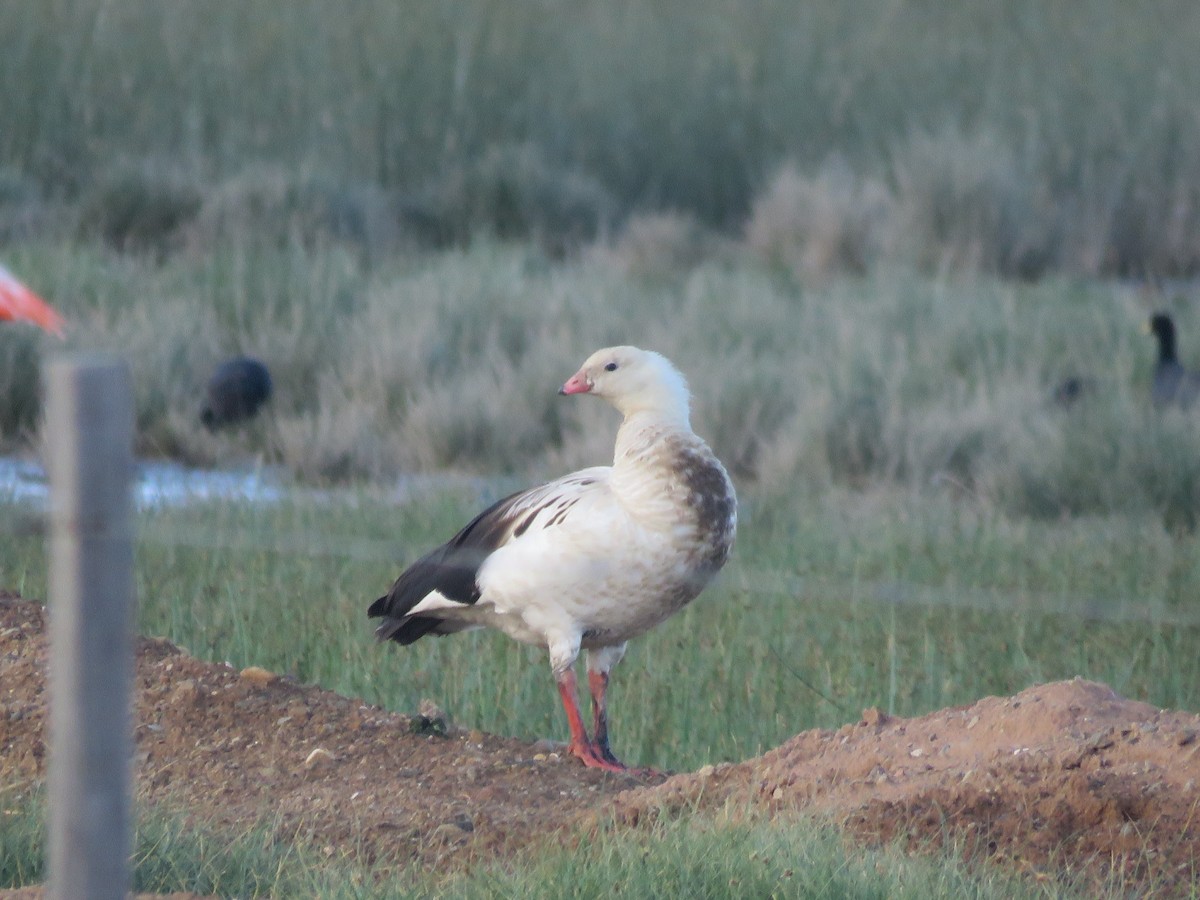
(830, 605)
(712, 857)
(172, 855)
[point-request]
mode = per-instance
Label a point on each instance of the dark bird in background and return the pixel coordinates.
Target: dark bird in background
(237, 389)
(1072, 389)
(1173, 384)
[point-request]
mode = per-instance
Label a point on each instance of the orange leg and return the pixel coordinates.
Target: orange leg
(594, 754)
(598, 686)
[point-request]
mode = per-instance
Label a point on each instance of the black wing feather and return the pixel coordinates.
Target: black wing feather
(451, 570)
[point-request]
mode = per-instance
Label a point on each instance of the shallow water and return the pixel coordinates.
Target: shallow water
(155, 484)
(158, 484)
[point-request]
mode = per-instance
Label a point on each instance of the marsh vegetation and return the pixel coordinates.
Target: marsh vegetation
(878, 245)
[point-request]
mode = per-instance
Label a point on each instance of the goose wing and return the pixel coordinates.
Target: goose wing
(449, 574)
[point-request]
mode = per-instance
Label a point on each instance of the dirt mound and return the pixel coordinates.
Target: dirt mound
(236, 747)
(1062, 777)
(1065, 776)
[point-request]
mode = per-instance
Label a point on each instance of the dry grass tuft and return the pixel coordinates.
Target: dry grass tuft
(275, 206)
(657, 246)
(964, 200)
(512, 191)
(820, 225)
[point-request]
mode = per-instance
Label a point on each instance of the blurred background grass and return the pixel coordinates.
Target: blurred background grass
(1019, 137)
(451, 361)
(422, 215)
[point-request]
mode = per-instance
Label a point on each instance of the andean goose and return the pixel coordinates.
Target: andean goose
(592, 559)
(1173, 384)
(236, 390)
(19, 303)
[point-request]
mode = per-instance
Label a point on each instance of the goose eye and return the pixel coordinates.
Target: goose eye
(611, 367)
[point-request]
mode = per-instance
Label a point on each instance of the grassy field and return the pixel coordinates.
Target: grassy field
(799, 859)
(877, 241)
(922, 524)
(833, 602)
(1029, 138)
(452, 361)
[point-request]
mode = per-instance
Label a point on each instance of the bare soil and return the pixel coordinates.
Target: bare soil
(1063, 778)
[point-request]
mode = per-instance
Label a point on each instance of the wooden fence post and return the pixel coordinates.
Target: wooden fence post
(89, 419)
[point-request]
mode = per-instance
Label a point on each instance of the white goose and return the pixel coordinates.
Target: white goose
(592, 559)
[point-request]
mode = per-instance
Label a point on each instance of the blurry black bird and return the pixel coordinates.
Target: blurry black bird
(1072, 389)
(236, 390)
(1173, 384)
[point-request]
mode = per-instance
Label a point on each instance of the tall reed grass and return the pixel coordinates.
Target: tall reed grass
(1023, 139)
(452, 361)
